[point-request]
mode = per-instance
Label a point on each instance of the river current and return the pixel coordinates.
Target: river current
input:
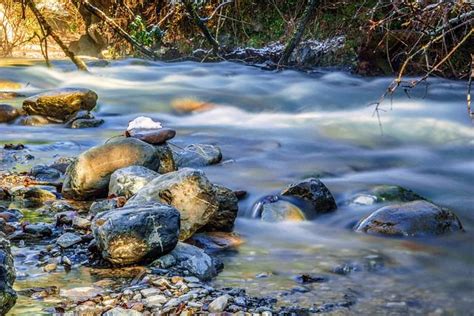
(275, 128)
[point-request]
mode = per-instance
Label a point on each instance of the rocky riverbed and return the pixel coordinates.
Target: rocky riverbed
(154, 217)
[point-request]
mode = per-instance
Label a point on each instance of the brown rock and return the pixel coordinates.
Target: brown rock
(8, 113)
(152, 136)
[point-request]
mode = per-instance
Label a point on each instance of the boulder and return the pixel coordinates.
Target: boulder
(7, 277)
(417, 218)
(189, 191)
(129, 180)
(197, 155)
(8, 113)
(167, 163)
(136, 233)
(195, 260)
(223, 220)
(88, 176)
(60, 104)
(313, 191)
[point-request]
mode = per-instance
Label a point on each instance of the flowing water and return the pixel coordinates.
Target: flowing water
(273, 129)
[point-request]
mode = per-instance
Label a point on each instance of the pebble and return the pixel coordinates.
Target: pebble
(50, 267)
(219, 304)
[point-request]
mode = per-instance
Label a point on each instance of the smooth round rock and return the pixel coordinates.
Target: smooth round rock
(60, 103)
(87, 123)
(8, 113)
(197, 155)
(89, 175)
(418, 218)
(136, 233)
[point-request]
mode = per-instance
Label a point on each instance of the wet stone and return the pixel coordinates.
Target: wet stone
(87, 123)
(418, 218)
(198, 155)
(8, 113)
(68, 239)
(45, 173)
(129, 180)
(152, 136)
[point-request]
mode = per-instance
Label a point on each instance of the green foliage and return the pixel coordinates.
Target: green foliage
(139, 32)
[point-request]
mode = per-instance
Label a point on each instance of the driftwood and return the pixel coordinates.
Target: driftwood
(49, 32)
(101, 15)
(188, 4)
(298, 35)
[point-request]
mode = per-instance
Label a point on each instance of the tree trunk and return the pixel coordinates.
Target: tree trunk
(49, 31)
(199, 22)
(298, 35)
(101, 15)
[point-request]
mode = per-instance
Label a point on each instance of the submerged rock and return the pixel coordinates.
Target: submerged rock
(313, 191)
(88, 176)
(87, 123)
(388, 193)
(8, 113)
(223, 220)
(216, 241)
(136, 233)
(33, 120)
(61, 103)
(129, 180)
(7, 277)
(282, 211)
(189, 191)
(418, 218)
(198, 155)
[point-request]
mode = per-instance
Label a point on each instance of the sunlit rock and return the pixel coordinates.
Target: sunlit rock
(418, 218)
(59, 104)
(223, 220)
(136, 233)
(189, 191)
(88, 176)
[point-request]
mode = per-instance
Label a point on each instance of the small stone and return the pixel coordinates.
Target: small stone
(197, 155)
(129, 180)
(87, 123)
(33, 120)
(80, 293)
(38, 229)
(152, 136)
(156, 300)
(191, 279)
(219, 304)
(314, 192)
(50, 267)
(81, 223)
(119, 311)
(45, 173)
(68, 239)
(150, 292)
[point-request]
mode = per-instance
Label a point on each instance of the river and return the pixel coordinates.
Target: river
(278, 127)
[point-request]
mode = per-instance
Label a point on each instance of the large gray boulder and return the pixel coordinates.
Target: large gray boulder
(129, 180)
(314, 192)
(189, 191)
(60, 104)
(89, 175)
(7, 276)
(418, 218)
(136, 233)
